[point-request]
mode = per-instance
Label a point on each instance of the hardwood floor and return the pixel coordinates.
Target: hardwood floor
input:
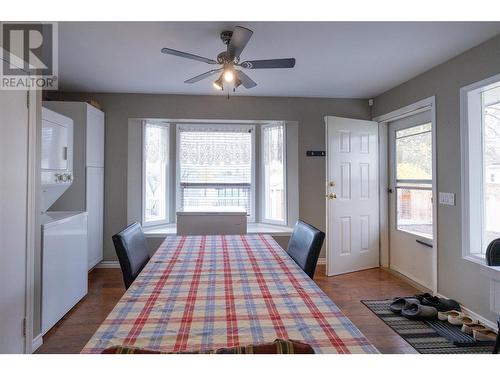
(106, 287)
(348, 290)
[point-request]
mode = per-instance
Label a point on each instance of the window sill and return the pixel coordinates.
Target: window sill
(475, 259)
(161, 231)
(493, 272)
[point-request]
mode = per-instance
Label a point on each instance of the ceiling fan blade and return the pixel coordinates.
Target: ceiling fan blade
(239, 39)
(203, 76)
(170, 51)
(269, 64)
(246, 81)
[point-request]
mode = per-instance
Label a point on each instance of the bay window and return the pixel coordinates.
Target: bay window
(481, 166)
(212, 166)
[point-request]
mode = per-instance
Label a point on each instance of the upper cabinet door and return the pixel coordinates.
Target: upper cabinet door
(95, 137)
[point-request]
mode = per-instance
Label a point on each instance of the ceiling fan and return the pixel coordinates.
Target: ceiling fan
(236, 41)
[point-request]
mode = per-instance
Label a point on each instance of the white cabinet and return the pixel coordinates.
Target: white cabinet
(87, 191)
(95, 199)
(95, 137)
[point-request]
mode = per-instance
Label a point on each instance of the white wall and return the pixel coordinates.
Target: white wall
(13, 219)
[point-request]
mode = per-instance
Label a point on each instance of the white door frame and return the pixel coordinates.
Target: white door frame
(383, 120)
(32, 216)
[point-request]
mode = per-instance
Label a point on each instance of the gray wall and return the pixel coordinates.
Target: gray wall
(457, 278)
(309, 112)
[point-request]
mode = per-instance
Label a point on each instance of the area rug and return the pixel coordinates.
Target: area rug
(419, 334)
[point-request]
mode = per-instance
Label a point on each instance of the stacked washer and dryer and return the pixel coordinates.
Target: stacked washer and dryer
(64, 233)
(72, 202)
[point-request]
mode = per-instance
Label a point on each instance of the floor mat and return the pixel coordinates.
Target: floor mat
(422, 336)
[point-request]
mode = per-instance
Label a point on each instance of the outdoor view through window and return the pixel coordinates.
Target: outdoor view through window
(414, 180)
(491, 166)
(273, 154)
(155, 173)
(216, 167)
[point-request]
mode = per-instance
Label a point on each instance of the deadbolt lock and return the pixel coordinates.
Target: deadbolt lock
(331, 184)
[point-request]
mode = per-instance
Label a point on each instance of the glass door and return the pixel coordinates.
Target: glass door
(411, 206)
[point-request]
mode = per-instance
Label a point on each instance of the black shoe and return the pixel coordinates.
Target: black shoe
(420, 297)
(441, 304)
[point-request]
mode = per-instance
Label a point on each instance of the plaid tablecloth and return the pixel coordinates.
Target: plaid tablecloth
(206, 292)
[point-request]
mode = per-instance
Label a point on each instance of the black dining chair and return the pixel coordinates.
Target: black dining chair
(305, 245)
(132, 250)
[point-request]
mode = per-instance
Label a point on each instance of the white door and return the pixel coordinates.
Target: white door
(352, 195)
(13, 220)
(95, 204)
(410, 203)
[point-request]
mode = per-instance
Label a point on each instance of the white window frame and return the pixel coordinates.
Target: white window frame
(471, 120)
(143, 175)
(262, 187)
(216, 127)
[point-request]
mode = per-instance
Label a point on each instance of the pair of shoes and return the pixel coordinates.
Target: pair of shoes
(479, 331)
(484, 335)
(460, 320)
(441, 304)
(455, 317)
(412, 308)
(469, 328)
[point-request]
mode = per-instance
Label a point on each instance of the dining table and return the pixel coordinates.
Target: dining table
(200, 293)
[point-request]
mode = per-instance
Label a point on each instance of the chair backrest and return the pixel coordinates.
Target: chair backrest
(132, 250)
(493, 253)
(305, 245)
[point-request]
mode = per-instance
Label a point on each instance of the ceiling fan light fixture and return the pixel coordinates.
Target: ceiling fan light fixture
(218, 84)
(237, 82)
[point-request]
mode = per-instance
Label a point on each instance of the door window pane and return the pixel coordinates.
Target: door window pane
(414, 180)
(273, 173)
(415, 211)
(414, 153)
(155, 173)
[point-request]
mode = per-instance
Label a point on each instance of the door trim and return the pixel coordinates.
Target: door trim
(383, 120)
(32, 216)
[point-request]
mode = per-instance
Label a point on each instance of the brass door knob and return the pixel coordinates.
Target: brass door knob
(331, 196)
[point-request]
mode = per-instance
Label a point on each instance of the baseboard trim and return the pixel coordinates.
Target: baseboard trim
(36, 342)
(407, 279)
(322, 261)
(108, 264)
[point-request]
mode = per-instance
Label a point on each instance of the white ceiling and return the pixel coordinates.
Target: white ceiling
(334, 59)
